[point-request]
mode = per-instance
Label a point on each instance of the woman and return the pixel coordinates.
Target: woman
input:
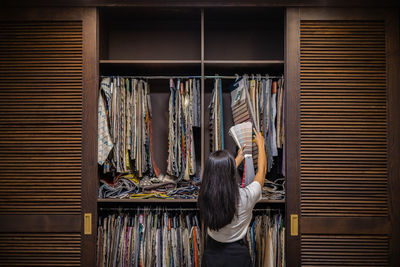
(226, 209)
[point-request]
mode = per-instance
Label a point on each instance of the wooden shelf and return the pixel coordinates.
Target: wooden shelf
(155, 200)
(129, 62)
(149, 200)
(272, 201)
(245, 62)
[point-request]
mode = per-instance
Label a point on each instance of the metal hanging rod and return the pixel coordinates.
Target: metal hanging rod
(170, 209)
(188, 77)
(149, 209)
(267, 209)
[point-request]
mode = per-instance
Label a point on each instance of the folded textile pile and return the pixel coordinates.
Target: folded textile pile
(187, 192)
(122, 188)
(127, 186)
(274, 190)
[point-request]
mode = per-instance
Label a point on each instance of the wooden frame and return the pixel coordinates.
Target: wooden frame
(89, 133)
(292, 129)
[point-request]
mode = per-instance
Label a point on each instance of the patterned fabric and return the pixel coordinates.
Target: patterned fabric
(259, 100)
(181, 161)
(105, 143)
(216, 118)
(125, 127)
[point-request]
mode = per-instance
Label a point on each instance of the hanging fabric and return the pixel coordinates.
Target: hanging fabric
(125, 128)
(145, 237)
(260, 100)
(183, 116)
(216, 117)
(266, 239)
(105, 143)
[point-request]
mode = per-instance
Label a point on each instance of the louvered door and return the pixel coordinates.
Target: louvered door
(343, 93)
(42, 138)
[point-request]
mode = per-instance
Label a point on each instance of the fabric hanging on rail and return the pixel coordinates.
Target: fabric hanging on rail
(242, 111)
(260, 100)
(148, 237)
(126, 142)
(266, 239)
(181, 161)
(105, 143)
(125, 110)
(216, 118)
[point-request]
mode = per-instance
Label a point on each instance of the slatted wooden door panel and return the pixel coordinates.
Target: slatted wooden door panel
(343, 125)
(343, 122)
(41, 137)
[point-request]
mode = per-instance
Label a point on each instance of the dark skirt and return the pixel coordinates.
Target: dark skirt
(225, 254)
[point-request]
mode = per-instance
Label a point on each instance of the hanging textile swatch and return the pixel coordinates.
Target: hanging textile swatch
(183, 116)
(216, 118)
(105, 143)
(124, 124)
(145, 237)
(266, 238)
(260, 100)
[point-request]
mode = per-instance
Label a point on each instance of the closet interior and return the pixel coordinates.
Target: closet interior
(335, 174)
(171, 51)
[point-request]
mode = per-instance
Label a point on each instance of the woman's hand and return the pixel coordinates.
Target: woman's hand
(240, 156)
(259, 139)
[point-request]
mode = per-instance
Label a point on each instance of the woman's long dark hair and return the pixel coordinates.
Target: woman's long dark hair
(219, 192)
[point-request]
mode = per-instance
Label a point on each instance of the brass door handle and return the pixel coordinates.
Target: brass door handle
(294, 225)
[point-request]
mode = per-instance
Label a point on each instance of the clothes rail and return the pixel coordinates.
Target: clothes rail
(187, 77)
(148, 209)
(171, 209)
(266, 209)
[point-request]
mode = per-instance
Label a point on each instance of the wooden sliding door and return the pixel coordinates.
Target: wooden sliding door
(342, 69)
(47, 74)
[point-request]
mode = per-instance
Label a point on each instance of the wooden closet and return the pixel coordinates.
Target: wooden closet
(342, 126)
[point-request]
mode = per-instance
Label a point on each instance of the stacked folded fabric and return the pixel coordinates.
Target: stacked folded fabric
(165, 187)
